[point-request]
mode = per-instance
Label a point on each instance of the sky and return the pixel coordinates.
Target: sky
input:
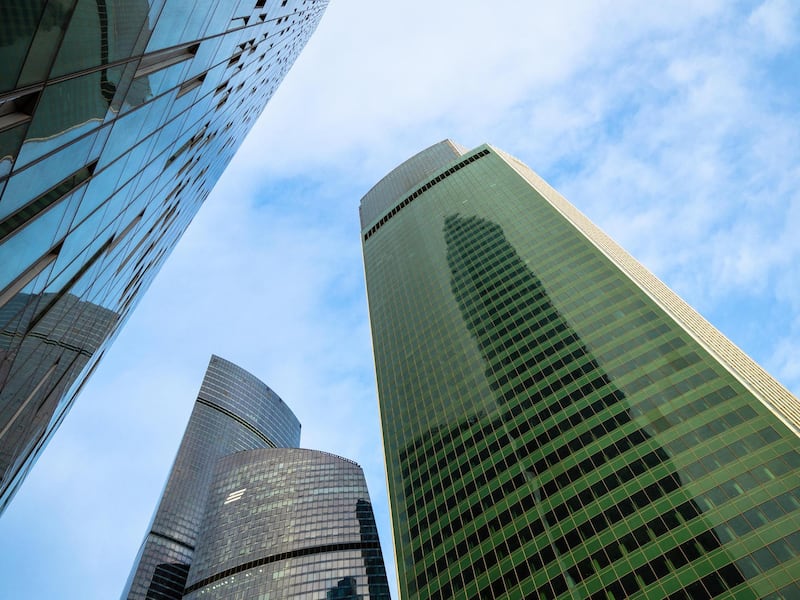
(674, 126)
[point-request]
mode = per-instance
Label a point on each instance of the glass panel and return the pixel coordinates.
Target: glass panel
(30, 183)
(45, 43)
(18, 22)
(10, 142)
(66, 111)
(100, 32)
(23, 249)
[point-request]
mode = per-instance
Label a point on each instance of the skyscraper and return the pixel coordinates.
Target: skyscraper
(64, 340)
(116, 119)
(247, 514)
(556, 421)
(288, 523)
(234, 412)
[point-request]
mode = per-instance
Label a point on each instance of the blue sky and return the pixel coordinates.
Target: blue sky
(675, 129)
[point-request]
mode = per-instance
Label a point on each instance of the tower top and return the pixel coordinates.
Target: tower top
(405, 175)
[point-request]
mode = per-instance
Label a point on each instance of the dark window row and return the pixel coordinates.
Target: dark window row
(531, 383)
(608, 453)
(710, 586)
(656, 527)
(446, 480)
(522, 537)
(415, 449)
(532, 318)
(454, 475)
(474, 483)
(527, 333)
(751, 519)
(497, 262)
(424, 475)
(422, 189)
(612, 450)
(562, 511)
(538, 362)
(640, 499)
(282, 556)
(584, 569)
(517, 287)
(682, 412)
(412, 454)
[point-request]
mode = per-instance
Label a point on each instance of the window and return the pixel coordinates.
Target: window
(18, 109)
(18, 219)
(190, 85)
(166, 58)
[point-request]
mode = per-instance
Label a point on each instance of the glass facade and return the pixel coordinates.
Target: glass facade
(556, 422)
(116, 119)
(234, 412)
(288, 523)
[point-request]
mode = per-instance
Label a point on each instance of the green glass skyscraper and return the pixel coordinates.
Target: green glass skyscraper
(556, 421)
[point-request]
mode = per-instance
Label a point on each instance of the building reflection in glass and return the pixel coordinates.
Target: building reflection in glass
(116, 119)
(346, 589)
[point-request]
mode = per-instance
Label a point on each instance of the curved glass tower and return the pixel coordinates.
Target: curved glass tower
(234, 412)
(556, 421)
(288, 523)
(116, 119)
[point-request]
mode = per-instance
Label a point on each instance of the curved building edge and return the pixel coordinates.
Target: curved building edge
(417, 168)
(291, 522)
(234, 410)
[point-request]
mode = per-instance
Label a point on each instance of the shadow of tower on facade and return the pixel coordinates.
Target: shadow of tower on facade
(505, 306)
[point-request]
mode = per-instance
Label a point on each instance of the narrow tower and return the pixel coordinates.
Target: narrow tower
(234, 411)
(555, 420)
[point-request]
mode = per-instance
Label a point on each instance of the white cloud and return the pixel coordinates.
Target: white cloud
(776, 21)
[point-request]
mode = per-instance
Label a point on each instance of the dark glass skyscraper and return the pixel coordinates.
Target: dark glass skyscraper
(288, 523)
(116, 119)
(557, 422)
(234, 412)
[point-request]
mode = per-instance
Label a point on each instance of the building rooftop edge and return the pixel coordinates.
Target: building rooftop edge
(411, 171)
(446, 141)
(218, 358)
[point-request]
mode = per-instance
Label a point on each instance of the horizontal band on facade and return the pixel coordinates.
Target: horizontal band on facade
(238, 419)
(282, 556)
(172, 539)
(423, 188)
